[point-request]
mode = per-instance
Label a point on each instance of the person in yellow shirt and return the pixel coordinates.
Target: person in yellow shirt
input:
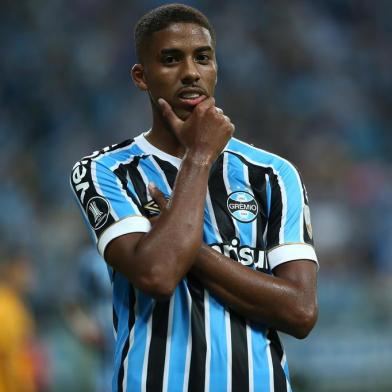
(16, 326)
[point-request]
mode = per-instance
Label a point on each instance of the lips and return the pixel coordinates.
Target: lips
(191, 96)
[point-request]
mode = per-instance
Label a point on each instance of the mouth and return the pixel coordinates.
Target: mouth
(191, 96)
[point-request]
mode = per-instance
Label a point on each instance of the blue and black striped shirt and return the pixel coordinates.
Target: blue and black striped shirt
(256, 213)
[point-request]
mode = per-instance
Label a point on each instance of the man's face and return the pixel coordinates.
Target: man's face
(180, 66)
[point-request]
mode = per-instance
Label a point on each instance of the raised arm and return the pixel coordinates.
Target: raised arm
(156, 261)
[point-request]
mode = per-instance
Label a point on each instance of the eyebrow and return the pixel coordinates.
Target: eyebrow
(204, 49)
(176, 50)
(170, 51)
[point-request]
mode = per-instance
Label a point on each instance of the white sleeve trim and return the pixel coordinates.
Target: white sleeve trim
(289, 252)
(131, 224)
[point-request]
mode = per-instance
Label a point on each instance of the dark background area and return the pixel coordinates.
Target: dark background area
(310, 80)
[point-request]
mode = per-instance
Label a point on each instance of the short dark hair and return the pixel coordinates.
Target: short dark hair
(161, 17)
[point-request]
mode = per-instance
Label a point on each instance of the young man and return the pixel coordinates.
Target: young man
(208, 238)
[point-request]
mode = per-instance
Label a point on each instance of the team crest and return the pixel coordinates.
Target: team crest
(97, 210)
(242, 206)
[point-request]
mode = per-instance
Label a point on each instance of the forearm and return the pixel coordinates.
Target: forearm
(278, 302)
(169, 249)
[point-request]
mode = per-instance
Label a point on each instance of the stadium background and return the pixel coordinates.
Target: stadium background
(310, 80)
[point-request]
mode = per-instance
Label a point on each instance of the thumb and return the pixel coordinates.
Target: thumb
(170, 116)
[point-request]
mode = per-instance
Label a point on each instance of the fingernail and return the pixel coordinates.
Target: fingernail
(151, 185)
(161, 101)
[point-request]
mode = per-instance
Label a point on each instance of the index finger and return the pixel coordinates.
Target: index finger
(170, 116)
(207, 103)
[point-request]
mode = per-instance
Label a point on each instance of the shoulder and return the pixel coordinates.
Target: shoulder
(101, 166)
(111, 156)
(259, 157)
(101, 171)
(114, 153)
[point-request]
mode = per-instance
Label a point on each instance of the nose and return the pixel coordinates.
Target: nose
(190, 72)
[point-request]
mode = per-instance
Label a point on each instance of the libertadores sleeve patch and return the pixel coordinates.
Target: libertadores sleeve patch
(105, 200)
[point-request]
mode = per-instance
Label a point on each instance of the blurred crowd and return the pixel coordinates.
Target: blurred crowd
(310, 80)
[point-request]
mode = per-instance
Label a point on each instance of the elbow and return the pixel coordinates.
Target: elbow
(157, 285)
(305, 320)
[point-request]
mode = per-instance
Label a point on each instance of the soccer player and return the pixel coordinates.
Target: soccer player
(208, 239)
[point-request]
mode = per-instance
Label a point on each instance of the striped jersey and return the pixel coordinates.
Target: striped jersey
(256, 212)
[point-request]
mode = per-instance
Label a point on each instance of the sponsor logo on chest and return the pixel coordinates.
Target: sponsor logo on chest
(244, 254)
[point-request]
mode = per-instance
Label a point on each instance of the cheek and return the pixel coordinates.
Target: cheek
(212, 80)
(161, 82)
(210, 75)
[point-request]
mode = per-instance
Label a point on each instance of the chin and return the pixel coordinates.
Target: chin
(183, 114)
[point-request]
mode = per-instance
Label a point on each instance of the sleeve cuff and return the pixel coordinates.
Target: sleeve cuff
(130, 224)
(289, 252)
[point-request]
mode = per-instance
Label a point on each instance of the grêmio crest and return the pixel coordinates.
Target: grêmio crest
(242, 206)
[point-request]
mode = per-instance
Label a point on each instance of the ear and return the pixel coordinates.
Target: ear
(137, 74)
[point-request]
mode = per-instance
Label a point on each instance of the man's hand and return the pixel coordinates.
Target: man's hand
(204, 133)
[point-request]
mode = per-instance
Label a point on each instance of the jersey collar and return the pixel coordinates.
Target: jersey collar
(148, 148)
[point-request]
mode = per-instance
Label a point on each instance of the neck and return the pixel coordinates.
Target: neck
(162, 137)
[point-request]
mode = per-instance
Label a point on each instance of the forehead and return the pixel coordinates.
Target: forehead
(183, 36)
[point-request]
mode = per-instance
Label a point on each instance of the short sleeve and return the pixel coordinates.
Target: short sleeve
(108, 203)
(289, 234)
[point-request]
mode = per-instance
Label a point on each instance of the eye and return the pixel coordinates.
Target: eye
(203, 58)
(169, 59)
